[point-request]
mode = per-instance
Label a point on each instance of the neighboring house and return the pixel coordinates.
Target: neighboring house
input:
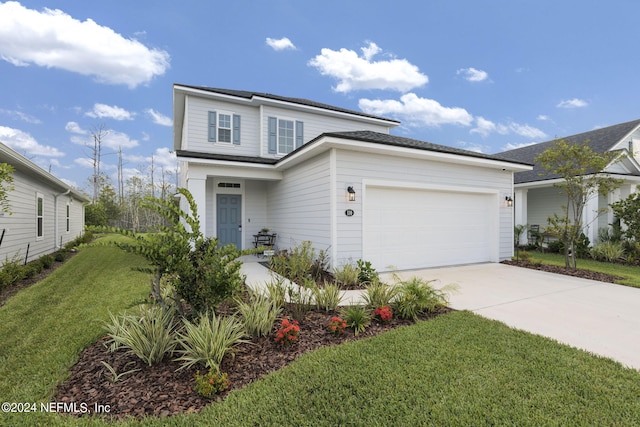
(45, 214)
(335, 177)
(536, 198)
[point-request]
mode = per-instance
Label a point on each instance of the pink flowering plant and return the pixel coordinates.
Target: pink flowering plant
(337, 325)
(288, 332)
(383, 314)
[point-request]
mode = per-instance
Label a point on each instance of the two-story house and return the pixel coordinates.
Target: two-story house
(338, 178)
(537, 198)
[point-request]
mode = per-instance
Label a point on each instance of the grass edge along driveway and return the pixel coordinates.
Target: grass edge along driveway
(459, 369)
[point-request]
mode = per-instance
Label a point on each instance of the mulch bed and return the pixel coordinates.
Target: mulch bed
(160, 390)
(585, 274)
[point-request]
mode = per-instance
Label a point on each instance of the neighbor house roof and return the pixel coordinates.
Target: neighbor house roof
(600, 141)
(24, 165)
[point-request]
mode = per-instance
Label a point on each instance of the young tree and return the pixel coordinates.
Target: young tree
(580, 169)
(6, 186)
(628, 212)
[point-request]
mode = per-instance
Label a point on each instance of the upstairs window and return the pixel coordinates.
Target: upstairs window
(285, 135)
(224, 127)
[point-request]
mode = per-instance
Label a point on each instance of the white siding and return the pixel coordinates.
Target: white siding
(197, 127)
(255, 207)
(20, 227)
(355, 168)
(542, 203)
(314, 125)
(298, 206)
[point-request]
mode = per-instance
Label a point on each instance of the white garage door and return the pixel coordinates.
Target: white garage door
(415, 228)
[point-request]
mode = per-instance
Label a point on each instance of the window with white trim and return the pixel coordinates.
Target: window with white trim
(68, 217)
(39, 216)
(224, 127)
(285, 135)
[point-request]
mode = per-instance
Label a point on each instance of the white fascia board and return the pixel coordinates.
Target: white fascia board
(627, 160)
(202, 168)
(552, 182)
(325, 143)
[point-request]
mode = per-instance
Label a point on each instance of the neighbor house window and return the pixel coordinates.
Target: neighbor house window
(39, 216)
(224, 127)
(285, 135)
(68, 216)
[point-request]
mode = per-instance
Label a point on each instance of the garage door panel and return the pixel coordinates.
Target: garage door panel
(423, 228)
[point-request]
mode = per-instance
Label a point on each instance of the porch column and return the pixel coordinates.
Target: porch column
(520, 212)
(590, 218)
(198, 190)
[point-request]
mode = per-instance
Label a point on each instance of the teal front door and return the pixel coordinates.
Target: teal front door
(229, 219)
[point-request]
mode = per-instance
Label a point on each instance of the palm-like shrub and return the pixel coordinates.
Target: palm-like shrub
(347, 274)
(416, 296)
(328, 297)
(357, 317)
(378, 294)
(209, 340)
(258, 314)
(277, 292)
(608, 251)
(148, 334)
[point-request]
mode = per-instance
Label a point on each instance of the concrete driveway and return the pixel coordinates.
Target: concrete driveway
(599, 317)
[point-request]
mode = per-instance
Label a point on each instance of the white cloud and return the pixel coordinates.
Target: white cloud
(544, 118)
(53, 39)
(74, 127)
(19, 115)
(486, 127)
(473, 75)
(355, 72)
(280, 44)
(511, 146)
(158, 118)
(417, 111)
(116, 140)
(572, 103)
(101, 111)
(24, 143)
(472, 146)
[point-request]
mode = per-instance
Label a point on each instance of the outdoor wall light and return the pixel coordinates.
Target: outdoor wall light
(509, 201)
(351, 194)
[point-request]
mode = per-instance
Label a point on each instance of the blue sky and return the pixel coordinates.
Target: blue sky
(485, 76)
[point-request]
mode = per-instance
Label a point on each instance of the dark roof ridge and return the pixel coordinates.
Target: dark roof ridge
(301, 101)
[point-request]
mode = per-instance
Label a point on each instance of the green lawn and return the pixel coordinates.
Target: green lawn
(459, 369)
(631, 274)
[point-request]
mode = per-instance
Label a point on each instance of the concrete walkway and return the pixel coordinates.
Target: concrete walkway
(599, 317)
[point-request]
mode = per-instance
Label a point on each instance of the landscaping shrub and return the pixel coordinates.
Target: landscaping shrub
(277, 292)
(148, 334)
(300, 263)
(288, 333)
(416, 296)
(47, 261)
(347, 274)
(60, 256)
(328, 297)
(258, 314)
(211, 383)
(378, 294)
(208, 341)
(608, 251)
(555, 246)
(366, 272)
(301, 300)
(12, 271)
(357, 317)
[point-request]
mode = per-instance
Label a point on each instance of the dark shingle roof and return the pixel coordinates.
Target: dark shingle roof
(300, 101)
(600, 141)
(399, 141)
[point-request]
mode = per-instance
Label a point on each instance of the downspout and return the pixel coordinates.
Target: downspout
(56, 227)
